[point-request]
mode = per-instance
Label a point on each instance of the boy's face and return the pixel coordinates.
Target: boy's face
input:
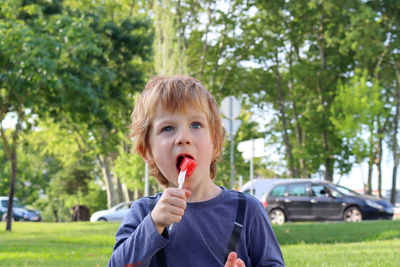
(173, 135)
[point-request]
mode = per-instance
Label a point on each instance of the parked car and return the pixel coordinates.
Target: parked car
(314, 200)
(20, 212)
(261, 186)
(115, 214)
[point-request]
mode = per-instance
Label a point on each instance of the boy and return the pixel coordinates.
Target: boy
(177, 117)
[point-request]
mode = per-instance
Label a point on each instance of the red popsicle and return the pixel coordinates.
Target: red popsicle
(188, 164)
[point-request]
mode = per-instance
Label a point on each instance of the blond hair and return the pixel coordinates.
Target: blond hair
(174, 93)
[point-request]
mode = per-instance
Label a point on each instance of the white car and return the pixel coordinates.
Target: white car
(115, 214)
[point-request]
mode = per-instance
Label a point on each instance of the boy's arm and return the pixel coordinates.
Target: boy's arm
(143, 233)
(264, 247)
(137, 239)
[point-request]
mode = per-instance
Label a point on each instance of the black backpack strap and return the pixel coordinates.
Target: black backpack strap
(161, 258)
(160, 255)
(238, 224)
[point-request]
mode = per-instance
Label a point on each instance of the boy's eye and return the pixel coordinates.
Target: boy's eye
(167, 129)
(196, 125)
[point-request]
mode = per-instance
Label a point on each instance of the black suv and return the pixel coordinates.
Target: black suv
(311, 200)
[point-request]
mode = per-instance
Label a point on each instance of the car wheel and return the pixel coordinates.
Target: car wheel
(352, 214)
(277, 216)
(102, 219)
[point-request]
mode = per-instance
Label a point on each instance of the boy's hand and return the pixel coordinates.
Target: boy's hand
(233, 261)
(170, 208)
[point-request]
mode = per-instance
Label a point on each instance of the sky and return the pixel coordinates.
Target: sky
(354, 180)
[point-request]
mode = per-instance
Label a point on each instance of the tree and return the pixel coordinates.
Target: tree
(47, 69)
(207, 41)
(27, 75)
(358, 106)
(372, 45)
(103, 73)
(387, 71)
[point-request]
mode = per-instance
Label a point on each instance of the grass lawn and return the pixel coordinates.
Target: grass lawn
(56, 244)
(370, 243)
(374, 243)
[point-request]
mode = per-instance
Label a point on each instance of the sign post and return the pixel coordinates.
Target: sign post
(251, 149)
(231, 108)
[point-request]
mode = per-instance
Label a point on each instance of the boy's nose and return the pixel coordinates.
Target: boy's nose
(183, 138)
(183, 141)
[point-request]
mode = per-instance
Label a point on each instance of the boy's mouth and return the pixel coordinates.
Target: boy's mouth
(179, 160)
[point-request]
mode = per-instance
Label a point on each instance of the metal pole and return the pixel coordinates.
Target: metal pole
(232, 174)
(146, 180)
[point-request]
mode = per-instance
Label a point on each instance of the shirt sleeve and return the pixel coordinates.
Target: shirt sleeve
(264, 246)
(137, 239)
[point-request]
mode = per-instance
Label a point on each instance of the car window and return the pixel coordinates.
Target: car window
(278, 191)
(335, 193)
(319, 191)
(346, 191)
(297, 190)
(123, 207)
(16, 203)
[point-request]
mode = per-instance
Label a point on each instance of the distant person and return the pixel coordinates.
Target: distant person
(176, 117)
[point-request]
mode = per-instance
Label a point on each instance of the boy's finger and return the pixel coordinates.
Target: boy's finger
(239, 263)
(176, 192)
(187, 193)
(230, 262)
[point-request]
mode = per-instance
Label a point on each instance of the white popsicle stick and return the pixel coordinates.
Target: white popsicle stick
(181, 181)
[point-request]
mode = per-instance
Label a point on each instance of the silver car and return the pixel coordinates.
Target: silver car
(115, 214)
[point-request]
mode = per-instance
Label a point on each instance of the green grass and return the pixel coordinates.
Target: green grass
(57, 244)
(374, 243)
(370, 243)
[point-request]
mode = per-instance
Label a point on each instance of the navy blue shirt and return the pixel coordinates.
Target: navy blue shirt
(200, 239)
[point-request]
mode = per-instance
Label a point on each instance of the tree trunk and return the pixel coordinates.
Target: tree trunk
(107, 177)
(301, 169)
(60, 210)
(379, 152)
(55, 212)
(120, 191)
(394, 178)
(136, 194)
(329, 169)
(11, 190)
(378, 162)
(288, 146)
(370, 166)
(14, 168)
(329, 160)
(125, 192)
(395, 144)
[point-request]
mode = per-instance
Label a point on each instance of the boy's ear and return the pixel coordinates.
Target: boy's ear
(145, 155)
